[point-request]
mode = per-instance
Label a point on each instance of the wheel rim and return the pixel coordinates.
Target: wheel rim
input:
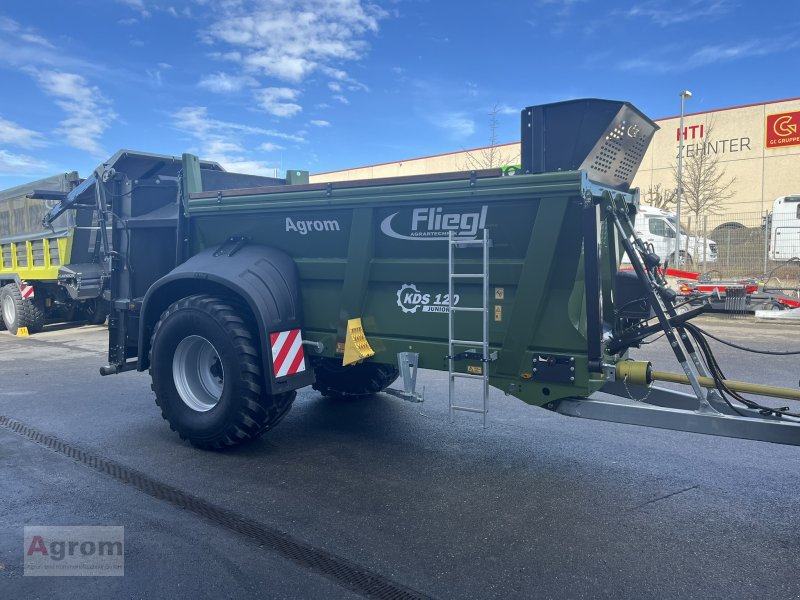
(9, 310)
(198, 373)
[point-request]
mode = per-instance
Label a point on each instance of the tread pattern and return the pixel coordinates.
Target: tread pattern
(257, 411)
(356, 381)
(29, 313)
(95, 311)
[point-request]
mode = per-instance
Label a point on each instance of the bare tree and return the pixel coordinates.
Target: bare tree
(658, 196)
(492, 156)
(705, 185)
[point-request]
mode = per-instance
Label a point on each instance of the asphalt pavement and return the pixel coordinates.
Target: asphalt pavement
(538, 505)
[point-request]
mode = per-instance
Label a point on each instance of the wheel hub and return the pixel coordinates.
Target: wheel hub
(9, 310)
(198, 373)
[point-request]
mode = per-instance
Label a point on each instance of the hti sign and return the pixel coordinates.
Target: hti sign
(690, 132)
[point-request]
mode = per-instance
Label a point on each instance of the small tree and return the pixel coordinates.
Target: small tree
(705, 186)
(659, 197)
(492, 156)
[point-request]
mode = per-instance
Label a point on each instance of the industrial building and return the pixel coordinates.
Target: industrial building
(757, 147)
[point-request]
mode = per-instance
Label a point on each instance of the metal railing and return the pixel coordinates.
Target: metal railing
(745, 244)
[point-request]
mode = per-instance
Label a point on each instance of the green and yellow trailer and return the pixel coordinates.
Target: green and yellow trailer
(50, 271)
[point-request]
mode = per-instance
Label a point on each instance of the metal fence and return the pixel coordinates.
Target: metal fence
(748, 244)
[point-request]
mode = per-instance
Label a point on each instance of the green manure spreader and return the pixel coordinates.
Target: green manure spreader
(234, 291)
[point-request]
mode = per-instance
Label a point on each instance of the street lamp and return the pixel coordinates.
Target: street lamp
(685, 94)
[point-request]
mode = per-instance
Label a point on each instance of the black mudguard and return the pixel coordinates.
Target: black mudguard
(264, 278)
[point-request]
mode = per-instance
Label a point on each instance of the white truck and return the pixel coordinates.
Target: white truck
(784, 235)
(658, 227)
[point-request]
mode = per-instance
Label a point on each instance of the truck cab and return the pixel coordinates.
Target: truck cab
(658, 227)
(784, 242)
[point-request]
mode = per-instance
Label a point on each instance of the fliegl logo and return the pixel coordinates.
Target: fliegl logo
(434, 223)
(410, 300)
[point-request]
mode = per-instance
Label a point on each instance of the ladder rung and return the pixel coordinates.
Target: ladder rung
(468, 275)
(466, 343)
(468, 308)
(467, 242)
(469, 409)
(466, 375)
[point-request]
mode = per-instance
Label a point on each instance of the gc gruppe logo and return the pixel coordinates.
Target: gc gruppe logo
(783, 130)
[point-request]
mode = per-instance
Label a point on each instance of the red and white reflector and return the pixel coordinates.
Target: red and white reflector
(287, 353)
(26, 291)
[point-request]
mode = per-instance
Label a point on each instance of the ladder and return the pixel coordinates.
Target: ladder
(476, 350)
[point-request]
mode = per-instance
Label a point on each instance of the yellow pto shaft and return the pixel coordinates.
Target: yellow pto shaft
(641, 373)
(736, 386)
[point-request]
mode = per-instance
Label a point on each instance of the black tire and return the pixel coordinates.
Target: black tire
(95, 311)
(243, 410)
(355, 381)
(26, 313)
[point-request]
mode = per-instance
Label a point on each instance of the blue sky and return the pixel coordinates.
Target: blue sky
(324, 85)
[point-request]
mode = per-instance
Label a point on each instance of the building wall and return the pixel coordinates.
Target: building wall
(439, 163)
(739, 140)
(738, 137)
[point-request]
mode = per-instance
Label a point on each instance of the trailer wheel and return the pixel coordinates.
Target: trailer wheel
(95, 311)
(19, 312)
(207, 376)
(355, 381)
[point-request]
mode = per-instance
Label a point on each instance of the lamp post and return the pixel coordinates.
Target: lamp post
(677, 262)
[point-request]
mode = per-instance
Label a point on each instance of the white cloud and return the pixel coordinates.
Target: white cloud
(334, 73)
(674, 58)
(26, 34)
(666, 13)
(195, 118)
(290, 41)
(279, 101)
(341, 99)
(11, 133)
(155, 76)
(20, 164)
(227, 56)
(223, 141)
(137, 5)
(335, 86)
(222, 83)
(457, 125)
(319, 123)
(505, 109)
(22, 47)
(88, 112)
